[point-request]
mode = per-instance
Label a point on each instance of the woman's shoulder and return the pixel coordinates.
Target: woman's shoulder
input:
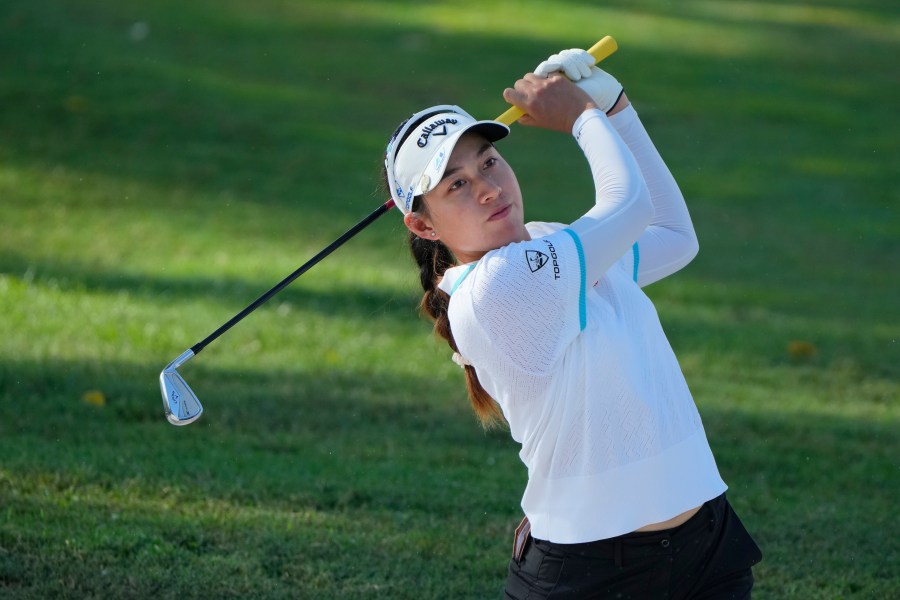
(522, 298)
(539, 229)
(527, 263)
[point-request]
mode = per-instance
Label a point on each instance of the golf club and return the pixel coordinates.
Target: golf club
(180, 402)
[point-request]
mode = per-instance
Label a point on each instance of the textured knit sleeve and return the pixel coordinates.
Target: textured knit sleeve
(527, 300)
(669, 242)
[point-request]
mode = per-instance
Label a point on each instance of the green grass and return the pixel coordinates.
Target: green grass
(153, 185)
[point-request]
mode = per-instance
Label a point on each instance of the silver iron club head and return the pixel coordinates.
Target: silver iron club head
(179, 400)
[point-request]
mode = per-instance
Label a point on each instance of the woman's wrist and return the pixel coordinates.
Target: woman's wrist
(620, 105)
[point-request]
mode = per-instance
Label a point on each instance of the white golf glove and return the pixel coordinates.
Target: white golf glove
(578, 65)
(575, 63)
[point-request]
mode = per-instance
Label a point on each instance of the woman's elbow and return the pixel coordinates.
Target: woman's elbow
(642, 204)
(692, 245)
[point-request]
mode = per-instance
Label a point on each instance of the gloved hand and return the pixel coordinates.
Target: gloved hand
(574, 63)
(578, 65)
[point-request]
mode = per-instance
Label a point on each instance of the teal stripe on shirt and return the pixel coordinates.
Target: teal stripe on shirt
(637, 259)
(582, 303)
(461, 277)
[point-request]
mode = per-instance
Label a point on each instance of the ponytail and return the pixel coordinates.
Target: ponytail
(433, 259)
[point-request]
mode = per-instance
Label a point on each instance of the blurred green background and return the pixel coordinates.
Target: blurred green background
(164, 163)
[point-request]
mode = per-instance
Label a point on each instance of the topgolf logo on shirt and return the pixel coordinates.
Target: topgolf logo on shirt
(537, 260)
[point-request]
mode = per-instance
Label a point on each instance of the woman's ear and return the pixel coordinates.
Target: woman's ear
(419, 226)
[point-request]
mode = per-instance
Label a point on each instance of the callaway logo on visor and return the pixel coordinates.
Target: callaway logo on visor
(432, 129)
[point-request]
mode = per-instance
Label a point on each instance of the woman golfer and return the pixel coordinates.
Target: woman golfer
(624, 499)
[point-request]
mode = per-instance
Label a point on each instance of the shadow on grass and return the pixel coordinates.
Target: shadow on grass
(319, 440)
(365, 301)
(261, 112)
(239, 401)
(291, 416)
(299, 459)
(258, 112)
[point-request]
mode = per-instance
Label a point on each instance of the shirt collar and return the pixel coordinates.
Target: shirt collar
(455, 276)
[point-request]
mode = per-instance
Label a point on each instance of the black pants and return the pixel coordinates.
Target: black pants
(708, 557)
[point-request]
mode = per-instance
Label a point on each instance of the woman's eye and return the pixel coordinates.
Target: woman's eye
(456, 185)
(490, 162)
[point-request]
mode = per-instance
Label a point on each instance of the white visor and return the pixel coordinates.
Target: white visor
(419, 163)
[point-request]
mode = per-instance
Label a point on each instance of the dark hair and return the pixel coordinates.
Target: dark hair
(433, 258)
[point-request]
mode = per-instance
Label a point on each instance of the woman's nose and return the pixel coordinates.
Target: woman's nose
(488, 189)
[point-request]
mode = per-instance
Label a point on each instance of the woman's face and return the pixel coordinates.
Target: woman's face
(476, 207)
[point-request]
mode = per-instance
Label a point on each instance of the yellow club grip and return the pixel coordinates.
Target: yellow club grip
(600, 51)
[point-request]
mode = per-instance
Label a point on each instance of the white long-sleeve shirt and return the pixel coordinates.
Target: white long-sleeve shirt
(564, 339)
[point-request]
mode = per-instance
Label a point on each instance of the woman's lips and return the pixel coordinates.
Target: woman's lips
(500, 214)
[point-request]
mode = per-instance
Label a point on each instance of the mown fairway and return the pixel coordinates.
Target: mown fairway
(163, 163)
